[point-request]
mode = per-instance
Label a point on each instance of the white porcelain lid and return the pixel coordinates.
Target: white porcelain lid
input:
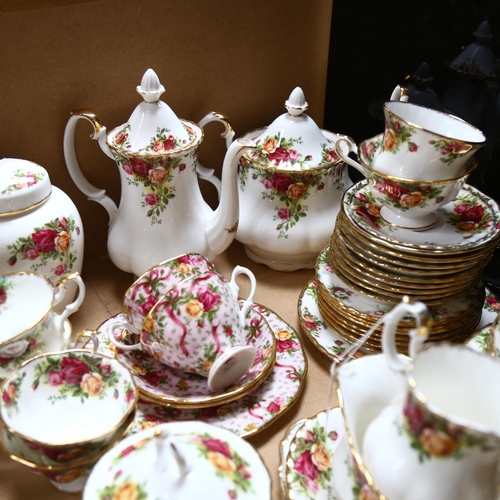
(204, 462)
(25, 299)
(153, 127)
(293, 141)
(23, 185)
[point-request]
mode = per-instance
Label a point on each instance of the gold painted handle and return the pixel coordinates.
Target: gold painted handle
(89, 115)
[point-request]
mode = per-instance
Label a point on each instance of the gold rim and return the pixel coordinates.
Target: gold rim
(44, 315)
(68, 465)
(26, 209)
(152, 156)
(226, 397)
(132, 408)
(437, 112)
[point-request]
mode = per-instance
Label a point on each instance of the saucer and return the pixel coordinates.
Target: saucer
(35, 347)
(219, 465)
(332, 345)
(168, 386)
(469, 222)
(284, 449)
(251, 413)
(310, 457)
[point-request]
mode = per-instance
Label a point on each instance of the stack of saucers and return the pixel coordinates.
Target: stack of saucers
(371, 264)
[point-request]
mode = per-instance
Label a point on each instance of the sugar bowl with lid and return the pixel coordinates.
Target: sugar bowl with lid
(291, 187)
(40, 227)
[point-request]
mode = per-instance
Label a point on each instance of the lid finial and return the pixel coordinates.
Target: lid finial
(150, 88)
(296, 103)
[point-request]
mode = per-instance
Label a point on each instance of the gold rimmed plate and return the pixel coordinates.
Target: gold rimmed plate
(169, 386)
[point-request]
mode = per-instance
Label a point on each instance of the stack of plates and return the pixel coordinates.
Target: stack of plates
(370, 265)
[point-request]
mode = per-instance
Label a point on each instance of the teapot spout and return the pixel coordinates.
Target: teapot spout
(221, 227)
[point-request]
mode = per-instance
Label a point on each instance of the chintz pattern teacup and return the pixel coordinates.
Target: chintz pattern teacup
(420, 143)
(27, 303)
(198, 327)
(145, 292)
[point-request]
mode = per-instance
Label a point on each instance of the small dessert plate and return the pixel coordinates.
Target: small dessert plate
(467, 223)
(284, 449)
(182, 460)
(35, 347)
(159, 383)
(326, 340)
(309, 465)
(249, 414)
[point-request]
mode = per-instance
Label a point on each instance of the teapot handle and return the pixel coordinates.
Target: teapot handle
(92, 193)
(208, 174)
(418, 335)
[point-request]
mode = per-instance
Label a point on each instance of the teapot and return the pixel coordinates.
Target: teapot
(291, 185)
(162, 212)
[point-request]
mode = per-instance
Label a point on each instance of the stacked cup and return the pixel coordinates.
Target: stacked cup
(418, 164)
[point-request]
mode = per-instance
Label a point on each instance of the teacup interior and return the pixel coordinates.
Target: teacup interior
(461, 383)
(437, 122)
(67, 398)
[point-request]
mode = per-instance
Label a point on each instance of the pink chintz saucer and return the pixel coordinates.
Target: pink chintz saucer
(162, 384)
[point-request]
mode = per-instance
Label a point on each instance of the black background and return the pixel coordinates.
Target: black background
(377, 45)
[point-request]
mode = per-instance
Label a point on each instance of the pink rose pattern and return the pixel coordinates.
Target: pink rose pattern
(156, 282)
(292, 188)
(153, 168)
(166, 384)
(450, 150)
(23, 180)
(312, 463)
(246, 415)
(396, 135)
(431, 435)
(49, 245)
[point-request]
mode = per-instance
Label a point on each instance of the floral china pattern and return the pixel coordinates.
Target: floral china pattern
(11, 392)
(247, 415)
(433, 436)
(471, 220)
(451, 150)
(279, 151)
(310, 457)
(159, 382)
(23, 180)
(405, 195)
(5, 286)
(145, 292)
(49, 245)
(290, 189)
(228, 464)
(78, 376)
(396, 135)
(361, 490)
(123, 488)
(369, 150)
(153, 168)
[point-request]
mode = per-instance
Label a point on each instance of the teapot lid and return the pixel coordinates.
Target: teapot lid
(23, 185)
(153, 127)
(293, 141)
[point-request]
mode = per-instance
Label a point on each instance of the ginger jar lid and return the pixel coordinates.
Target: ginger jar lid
(153, 127)
(293, 141)
(24, 185)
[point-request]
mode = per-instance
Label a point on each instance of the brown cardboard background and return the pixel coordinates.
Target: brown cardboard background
(239, 59)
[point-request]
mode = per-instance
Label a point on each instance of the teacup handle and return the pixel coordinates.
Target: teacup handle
(235, 291)
(75, 305)
(418, 335)
(352, 149)
(117, 343)
(87, 335)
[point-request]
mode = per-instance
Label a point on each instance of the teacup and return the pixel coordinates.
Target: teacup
(27, 303)
(146, 290)
(420, 143)
(198, 327)
(411, 204)
(65, 408)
